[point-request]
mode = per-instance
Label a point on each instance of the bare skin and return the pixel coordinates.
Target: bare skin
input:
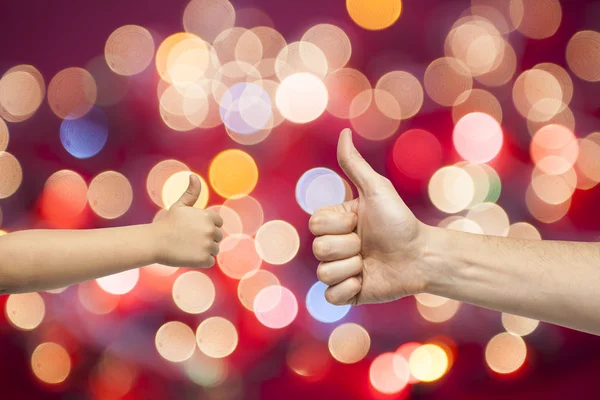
(38, 260)
(373, 249)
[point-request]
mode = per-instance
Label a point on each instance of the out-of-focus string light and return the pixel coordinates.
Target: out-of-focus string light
(495, 11)
(588, 159)
(22, 90)
(233, 173)
(309, 359)
(181, 55)
(112, 376)
(4, 135)
(272, 43)
(417, 154)
(523, 230)
(536, 19)
(446, 78)
(275, 307)
(518, 325)
(505, 353)
(217, 337)
(86, 136)
(343, 85)
(110, 194)
(249, 211)
(563, 78)
(492, 218)
(430, 300)
(120, 283)
(208, 18)
(542, 211)
(25, 311)
(406, 90)
(319, 187)
(252, 283)
(238, 256)
(158, 175)
(64, 197)
(175, 341)
(11, 174)
(564, 118)
(481, 182)
(537, 95)
(349, 343)
(376, 114)
(238, 44)
(205, 371)
(478, 137)
(72, 93)
(301, 97)
(462, 224)
(505, 70)
(177, 184)
(406, 351)
(96, 300)
(557, 145)
(477, 100)
(428, 362)
(129, 50)
(334, 43)
(301, 57)
(438, 314)
(389, 373)
(246, 108)
(320, 309)
(374, 15)
(51, 363)
(451, 189)
(230, 74)
(277, 242)
(556, 187)
(193, 292)
(583, 55)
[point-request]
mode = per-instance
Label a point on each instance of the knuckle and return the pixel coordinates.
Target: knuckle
(320, 248)
(330, 297)
(323, 274)
(315, 223)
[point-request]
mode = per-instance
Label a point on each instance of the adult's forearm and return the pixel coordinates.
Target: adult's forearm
(553, 281)
(45, 259)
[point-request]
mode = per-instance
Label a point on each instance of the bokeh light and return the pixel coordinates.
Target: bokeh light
(492, 218)
(217, 337)
(406, 351)
(349, 343)
(543, 211)
(277, 242)
(238, 256)
(343, 85)
(175, 341)
(301, 58)
(246, 108)
(193, 292)
(389, 373)
(250, 212)
(309, 360)
(275, 307)
(176, 185)
(320, 309)
(374, 14)
(446, 79)
(537, 19)
(441, 313)
(110, 194)
(94, 299)
(523, 230)
(319, 187)
(22, 90)
(301, 97)
(517, 325)
(120, 283)
(72, 93)
(406, 89)
(158, 175)
(505, 353)
(11, 174)
(451, 189)
(334, 43)
(64, 197)
(208, 18)
(428, 362)
(252, 283)
(537, 95)
(51, 363)
(129, 50)
(206, 371)
(554, 149)
(376, 114)
(477, 100)
(86, 136)
(478, 137)
(233, 173)
(25, 311)
(4, 135)
(583, 55)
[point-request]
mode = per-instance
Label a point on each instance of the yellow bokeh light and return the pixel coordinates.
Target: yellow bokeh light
(110, 194)
(428, 363)
(301, 98)
(158, 175)
(523, 230)
(492, 218)
(374, 14)
(446, 79)
(583, 55)
(11, 174)
(120, 283)
(537, 19)
(477, 100)
(25, 311)
(518, 325)
(277, 242)
(376, 114)
(537, 95)
(301, 57)
(208, 18)
(439, 314)
(349, 343)
(430, 300)
(177, 184)
(233, 173)
(334, 43)
(4, 135)
(129, 50)
(545, 212)
(384, 373)
(21, 93)
(252, 283)
(505, 70)
(451, 189)
(193, 292)
(217, 337)
(51, 363)
(175, 341)
(505, 353)
(406, 89)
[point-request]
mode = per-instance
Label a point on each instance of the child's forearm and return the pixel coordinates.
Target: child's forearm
(47, 259)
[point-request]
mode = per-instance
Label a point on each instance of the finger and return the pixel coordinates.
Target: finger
(325, 222)
(334, 272)
(214, 249)
(189, 198)
(353, 164)
(343, 292)
(336, 247)
(218, 235)
(217, 219)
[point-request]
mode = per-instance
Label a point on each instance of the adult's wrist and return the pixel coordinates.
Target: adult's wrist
(436, 263)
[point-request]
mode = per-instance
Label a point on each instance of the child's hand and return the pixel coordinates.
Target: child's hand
(188, 236)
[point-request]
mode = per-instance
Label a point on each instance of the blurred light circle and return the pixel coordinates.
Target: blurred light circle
(175, 341)
(230, 74)
(64, 196)
(301, 57)
(238, 44)
(84, 137)
(25, 311)
(406, 351)
(334, 43)
(451, 189)
(238, 256)
(217, 337)
(563, 78)
(438, 314)
(189, 60)
(160, 269)
(430, 300)
(177, 184)
(446, 79)
(252, 283)
(319, 187)
(376, 114)
(250, 212)
(477, 100)
(21, 93)
(301, 98)
(233, 173)
(406, 89)
(428, 363)
(206, 371)
(4, 135)
(309, 359)
(129, 50)
(51, 363)
(94, 299)
(583, 55)
(492, 218)
(110, 194)
(120, 283)
(536, 19)
(543, 211)
(72, 93)
(196, 104)
(232, 223)
(383, 375)
(481, 182)
(208, 18)
(270, 87)
(343, 85)
(320, 309)
(518, 325)
(193, 292)
(275, 307)
(417, 154)
(558, 142)
(246, 108)
(588, 159)
(505, 353)
(537, 95)
(158, 176)
(465, 225)
(374, 15)
(349, 343)
(11, 174)
(495, 11)
(523, 230)
(167, 56)
(505, 70)
(564, 118)
(554, 188)
(272, 43)
(478, 137)
(277, 242)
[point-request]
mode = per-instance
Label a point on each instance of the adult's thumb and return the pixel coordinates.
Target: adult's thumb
(191, 194)
(353, 164)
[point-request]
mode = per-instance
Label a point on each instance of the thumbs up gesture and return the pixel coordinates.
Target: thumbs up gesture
(371, 247)
(188, 236)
